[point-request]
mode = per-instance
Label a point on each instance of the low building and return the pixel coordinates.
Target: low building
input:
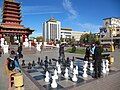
(66, 32)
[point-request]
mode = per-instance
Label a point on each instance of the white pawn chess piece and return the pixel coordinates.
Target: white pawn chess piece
(66, 73)
(107, 65)
(55, 74)
(76, 70)
(74, 78)
(86, 63)
(71, 64)
(84, 71)
(104, 67)
(54, 83)
(91, 67)
(59, 69)
(47, 77)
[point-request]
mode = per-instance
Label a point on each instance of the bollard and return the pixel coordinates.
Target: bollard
(18, 81)
(111, 59)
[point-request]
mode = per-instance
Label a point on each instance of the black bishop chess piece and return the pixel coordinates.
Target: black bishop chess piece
(29, 65)
(33, 63)
(23, 62)
(38, 61)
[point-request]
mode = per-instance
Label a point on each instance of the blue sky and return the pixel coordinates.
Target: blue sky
(80, 15)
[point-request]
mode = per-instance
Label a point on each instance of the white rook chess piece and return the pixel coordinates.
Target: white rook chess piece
(85, 70)
(104, 67)
(74, 78)
(59, 69)
(47, 77)
(71, 64)
(54, 83)
(107, 65)
(91, 67)
(66, 73)
(55, 74)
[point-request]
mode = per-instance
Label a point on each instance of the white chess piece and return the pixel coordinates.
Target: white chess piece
(85, 71)
(104, 67)
(107, 65)
(66, 73)
(76, 70)
(71, 64)
(74, 78)
(47, 77)
(54, 83)
(59, 69)
(55, 74)
(57, 64)
(91, 67)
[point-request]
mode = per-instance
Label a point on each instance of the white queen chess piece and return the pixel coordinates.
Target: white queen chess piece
(66, 73)
(54, 83)
(47, 77)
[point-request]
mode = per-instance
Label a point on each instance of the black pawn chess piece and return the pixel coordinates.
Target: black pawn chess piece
(38, 61)
(23, 62)
(46, 62)
(29, 65)
(41, 62)
(50, 62)
(33, 63)
(73, 59)
(59, 60)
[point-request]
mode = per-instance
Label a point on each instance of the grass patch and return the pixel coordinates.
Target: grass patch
(78, 51)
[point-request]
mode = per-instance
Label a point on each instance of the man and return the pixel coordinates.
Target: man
(92, 51)
(61, 51)
(98, 60)
(87, 54)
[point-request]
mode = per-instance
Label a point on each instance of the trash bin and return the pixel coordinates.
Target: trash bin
(18, 80)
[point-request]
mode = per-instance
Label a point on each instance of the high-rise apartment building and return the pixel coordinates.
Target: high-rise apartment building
(51, 29)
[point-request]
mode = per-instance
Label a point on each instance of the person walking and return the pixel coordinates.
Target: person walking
(98, 60)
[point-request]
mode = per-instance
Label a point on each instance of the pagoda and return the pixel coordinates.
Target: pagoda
(10, 27)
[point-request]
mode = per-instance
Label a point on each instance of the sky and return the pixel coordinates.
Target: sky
(80, 15)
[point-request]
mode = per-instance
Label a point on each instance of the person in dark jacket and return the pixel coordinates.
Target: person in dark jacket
(98, 60)
(87, 54)
(20, 51)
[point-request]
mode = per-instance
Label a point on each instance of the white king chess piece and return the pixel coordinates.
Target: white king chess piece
(74, 78)
(66, 73)
(47, 77)
(104, 67)
(54, 83)
(107, 65)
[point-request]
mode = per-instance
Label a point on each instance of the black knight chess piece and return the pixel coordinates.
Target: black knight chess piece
(29, 65)
(33, 63)
(23, 62)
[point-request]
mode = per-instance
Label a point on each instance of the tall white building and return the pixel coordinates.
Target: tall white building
(51, 30)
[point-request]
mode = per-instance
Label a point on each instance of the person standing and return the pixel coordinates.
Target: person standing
(1, 51)
(87, 54)
(92, 51)
(98, 60)
(20, 51)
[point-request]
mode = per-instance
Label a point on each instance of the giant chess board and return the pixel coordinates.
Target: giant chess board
(37, 73)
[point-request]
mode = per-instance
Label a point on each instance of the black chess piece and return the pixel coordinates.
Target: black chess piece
(59, 60)
(38, 60)
(50, 62)
(23, 62)
(29, 65)
(41, 62)
(73, 59)
(46, 62)
(33, 63)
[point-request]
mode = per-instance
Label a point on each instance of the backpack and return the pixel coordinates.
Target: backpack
(11, 64)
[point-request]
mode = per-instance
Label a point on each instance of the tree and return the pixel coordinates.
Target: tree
(39, 39)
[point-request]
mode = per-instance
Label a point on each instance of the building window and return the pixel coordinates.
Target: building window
(117, 29)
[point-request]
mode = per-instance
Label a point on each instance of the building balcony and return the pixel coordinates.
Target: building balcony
(12, 5)
(12, 9)
(11, 19)
(11, 12)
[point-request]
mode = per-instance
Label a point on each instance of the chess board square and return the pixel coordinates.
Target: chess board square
(48, 87)
(66, 83)
(35, 73)
(39, 77)
(42, 82)
(31, 71)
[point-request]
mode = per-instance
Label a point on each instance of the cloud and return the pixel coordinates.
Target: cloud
(89, 27)
(35, 10)
(67, 4)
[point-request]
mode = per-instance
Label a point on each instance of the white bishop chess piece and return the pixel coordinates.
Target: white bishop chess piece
(74, 78)
(54, 83)
(66, 73)
(47, 77)
(55, 74)
(59, 69)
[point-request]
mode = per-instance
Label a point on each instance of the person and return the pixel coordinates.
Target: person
(1, 51)
(98, 60)
(20, 51)
(61, 51)
(87, 54)
(92, 51)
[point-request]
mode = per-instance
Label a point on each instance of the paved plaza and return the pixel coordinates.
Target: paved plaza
(110, 82)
